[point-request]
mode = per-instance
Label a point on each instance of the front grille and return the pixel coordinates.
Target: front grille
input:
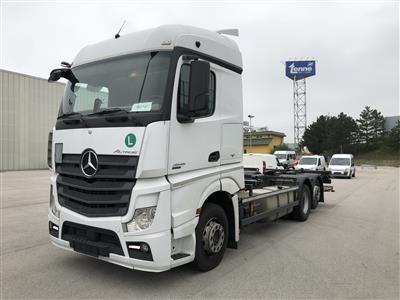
(106, 194)
(91, 240)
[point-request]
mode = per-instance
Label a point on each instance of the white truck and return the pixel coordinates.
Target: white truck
(286, 157)
(147, 153)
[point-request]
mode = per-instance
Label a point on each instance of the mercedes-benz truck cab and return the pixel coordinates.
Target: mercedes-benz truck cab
(148, 137)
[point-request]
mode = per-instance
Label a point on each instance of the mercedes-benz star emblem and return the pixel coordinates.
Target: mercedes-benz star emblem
(89, 163)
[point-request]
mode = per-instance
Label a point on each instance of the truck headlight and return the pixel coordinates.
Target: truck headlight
(142, 218)
(53, 206)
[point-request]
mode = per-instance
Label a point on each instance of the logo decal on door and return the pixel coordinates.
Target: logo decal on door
(130, 140)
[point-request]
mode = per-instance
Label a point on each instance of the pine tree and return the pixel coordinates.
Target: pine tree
(365, 126)
(378, 125)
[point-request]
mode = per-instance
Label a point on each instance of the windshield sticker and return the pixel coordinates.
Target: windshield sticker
(130, 140)
(143, 106)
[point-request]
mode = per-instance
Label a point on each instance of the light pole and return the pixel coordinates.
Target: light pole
(251, 133)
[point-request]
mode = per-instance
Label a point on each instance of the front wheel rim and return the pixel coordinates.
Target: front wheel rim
(213, 237)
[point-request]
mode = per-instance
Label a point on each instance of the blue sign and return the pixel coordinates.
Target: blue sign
(300, 69)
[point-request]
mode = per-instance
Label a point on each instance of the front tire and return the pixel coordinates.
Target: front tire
(302, 211)
(211, 237)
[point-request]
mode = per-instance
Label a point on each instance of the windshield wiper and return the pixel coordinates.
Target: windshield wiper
(65, 118)
(108, 111)
(70, 114)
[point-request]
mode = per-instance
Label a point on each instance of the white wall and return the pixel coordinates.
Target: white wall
(28, 110)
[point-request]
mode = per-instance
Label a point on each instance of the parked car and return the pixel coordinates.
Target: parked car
(342, 165)
(261, 162)
(312, 162)
(286, 157)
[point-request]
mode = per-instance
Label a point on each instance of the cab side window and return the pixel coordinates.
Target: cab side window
(183, 93)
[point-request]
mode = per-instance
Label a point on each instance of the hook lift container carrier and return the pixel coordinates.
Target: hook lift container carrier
(147, 153)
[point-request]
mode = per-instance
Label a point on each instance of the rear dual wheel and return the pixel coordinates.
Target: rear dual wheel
(302, 210)
(317, 195)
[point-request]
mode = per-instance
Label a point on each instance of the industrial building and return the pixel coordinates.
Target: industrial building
(262, 141)
(29, 108)
(391, 122)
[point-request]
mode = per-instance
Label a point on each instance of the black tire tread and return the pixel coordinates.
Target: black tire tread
(297, 213)
(201, 261)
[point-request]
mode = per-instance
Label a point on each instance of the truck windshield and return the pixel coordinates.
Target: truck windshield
(340, 162)
(280, 156)
(308, 161)
(133, 83)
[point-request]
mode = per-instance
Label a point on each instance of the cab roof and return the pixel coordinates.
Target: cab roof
(165, 37)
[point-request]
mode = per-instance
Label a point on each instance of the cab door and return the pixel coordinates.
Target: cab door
(193, 145)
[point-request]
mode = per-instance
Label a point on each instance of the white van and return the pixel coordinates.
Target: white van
(262, 162)
(286, 157)
(312, 162)
(342, 165)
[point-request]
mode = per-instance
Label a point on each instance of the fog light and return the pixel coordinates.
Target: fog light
(53, 229)
(53, 206)
(144, 247)
(139, 250)
(142, 218)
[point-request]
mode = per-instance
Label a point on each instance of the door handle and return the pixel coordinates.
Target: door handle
(214, 156)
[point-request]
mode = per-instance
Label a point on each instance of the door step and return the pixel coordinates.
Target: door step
(179, 256)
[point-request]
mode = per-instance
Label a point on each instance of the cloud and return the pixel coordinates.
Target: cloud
(355, 45)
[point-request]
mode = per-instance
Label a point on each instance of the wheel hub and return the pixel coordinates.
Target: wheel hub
(213, 237)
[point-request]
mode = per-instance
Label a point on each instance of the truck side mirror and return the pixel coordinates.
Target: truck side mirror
(66, 73)
(199, 94)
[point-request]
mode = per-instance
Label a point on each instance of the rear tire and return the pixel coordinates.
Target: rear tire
(317, 194)
(211, 237)
(302, 211)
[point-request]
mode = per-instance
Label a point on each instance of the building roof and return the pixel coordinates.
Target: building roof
(267, 132)
(164, 37)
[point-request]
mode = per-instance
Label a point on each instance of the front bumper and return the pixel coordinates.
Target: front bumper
(157, 236)
(339, 173)
(159, 243)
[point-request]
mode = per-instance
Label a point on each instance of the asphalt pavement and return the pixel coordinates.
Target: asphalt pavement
(348, 248)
